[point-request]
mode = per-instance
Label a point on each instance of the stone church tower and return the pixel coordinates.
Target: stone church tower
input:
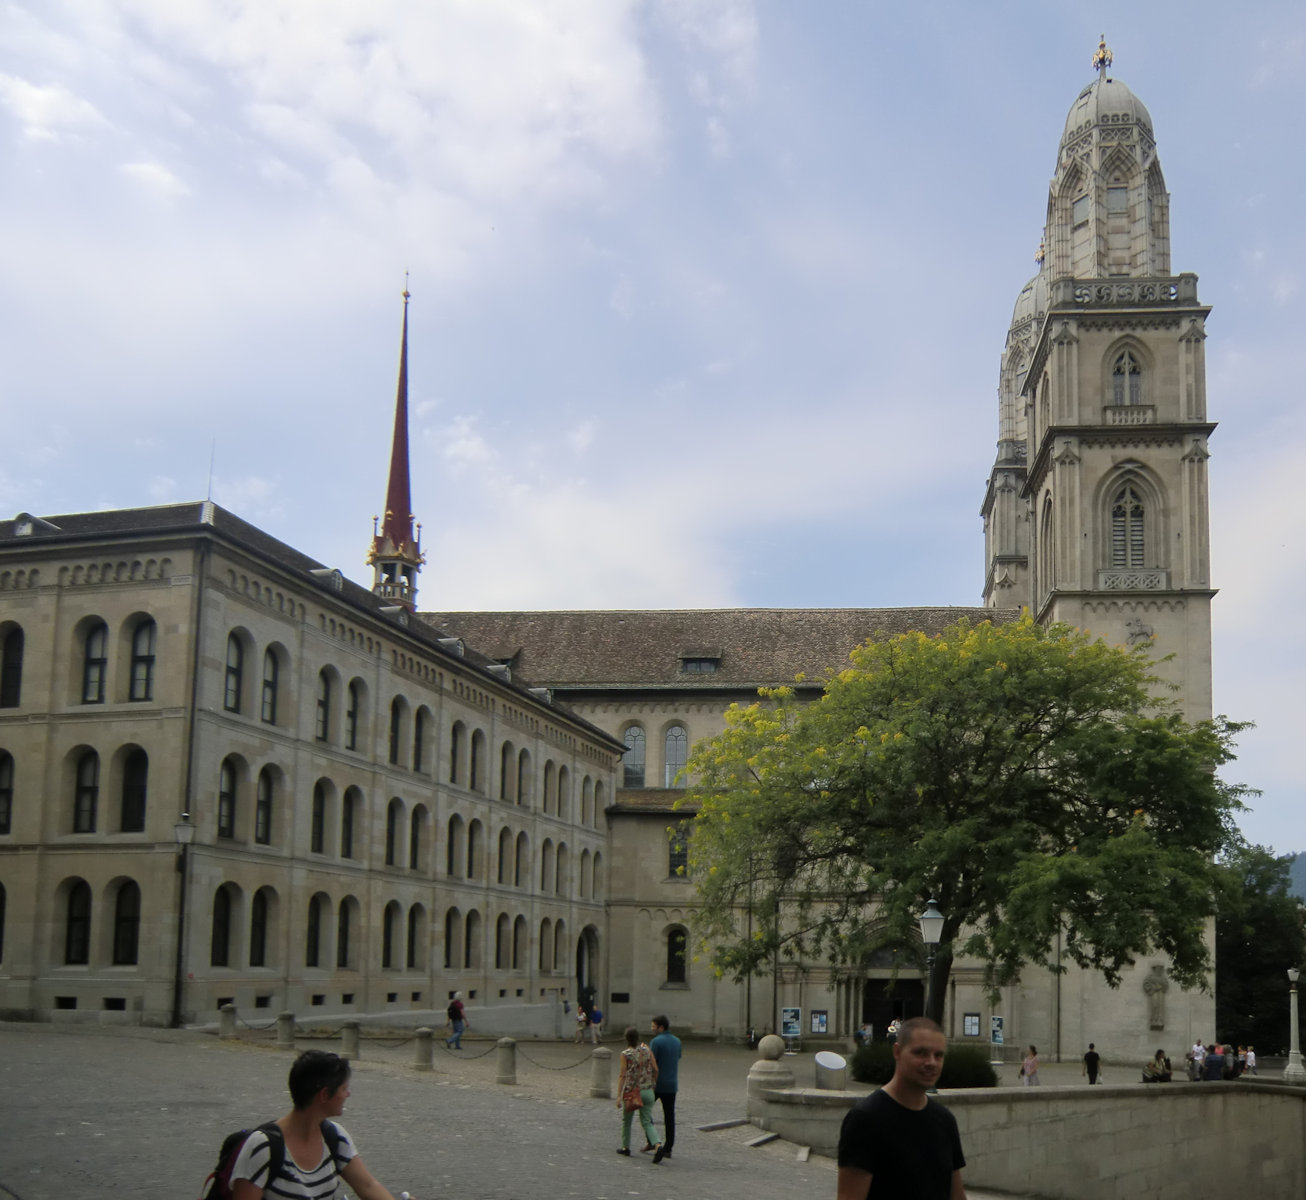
(1096, 513)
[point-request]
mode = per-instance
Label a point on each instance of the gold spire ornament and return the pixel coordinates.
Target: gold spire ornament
(1042, 252)
(1103, 58)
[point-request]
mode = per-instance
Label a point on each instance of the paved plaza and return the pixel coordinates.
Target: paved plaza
(87, 1112)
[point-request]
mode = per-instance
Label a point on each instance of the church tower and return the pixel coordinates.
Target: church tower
(1096, 513)
(396, 554)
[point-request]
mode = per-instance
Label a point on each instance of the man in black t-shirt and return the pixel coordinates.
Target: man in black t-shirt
(1092, 1063)
(898, 1143)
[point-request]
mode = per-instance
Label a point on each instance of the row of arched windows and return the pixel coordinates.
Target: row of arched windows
(675, 754)
(100, 677)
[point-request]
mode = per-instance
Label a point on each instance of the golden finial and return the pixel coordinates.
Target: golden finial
(1102, 59)
(406, 289)
(1042, 252)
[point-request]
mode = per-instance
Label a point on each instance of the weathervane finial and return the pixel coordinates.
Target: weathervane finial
(1042, 251)
(1102, 59)
(406, 293)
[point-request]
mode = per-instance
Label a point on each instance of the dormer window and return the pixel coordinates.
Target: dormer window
(700, 662)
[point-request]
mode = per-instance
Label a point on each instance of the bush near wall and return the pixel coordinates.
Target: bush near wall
(964, 1067)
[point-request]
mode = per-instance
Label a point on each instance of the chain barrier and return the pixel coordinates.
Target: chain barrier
(448, 1049)
(272, 1024)
(546, 1066)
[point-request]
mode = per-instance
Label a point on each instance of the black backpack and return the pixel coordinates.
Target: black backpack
(218, 1184)
(453, 1011)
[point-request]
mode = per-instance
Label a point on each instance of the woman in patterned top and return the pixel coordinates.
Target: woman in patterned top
(639, 1072)
(319, 1087)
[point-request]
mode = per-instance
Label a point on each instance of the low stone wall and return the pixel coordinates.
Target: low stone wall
(1202, 1141)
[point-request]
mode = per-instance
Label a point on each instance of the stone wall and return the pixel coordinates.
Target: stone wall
(1083, 1143)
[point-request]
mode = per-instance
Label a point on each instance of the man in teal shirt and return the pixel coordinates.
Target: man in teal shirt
(666, 1051)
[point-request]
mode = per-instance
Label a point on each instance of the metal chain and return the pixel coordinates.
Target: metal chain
(546, 1067)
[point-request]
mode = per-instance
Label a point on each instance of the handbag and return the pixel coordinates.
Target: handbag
(631, 1100)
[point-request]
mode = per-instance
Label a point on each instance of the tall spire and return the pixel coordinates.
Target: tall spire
(396, 553)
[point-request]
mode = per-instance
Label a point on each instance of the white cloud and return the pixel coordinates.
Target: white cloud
(155, 179)
(49, 112)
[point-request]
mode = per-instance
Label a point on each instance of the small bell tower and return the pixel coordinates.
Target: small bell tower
(396, 554)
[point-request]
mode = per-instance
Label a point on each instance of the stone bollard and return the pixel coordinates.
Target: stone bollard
(507, 1061)
(601, 1073)
(349, 1039)
(424, 1036)
(285, 1031)
(227, 1021)
(768, 1073)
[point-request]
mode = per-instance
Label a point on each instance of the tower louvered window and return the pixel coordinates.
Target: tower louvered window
(1126, 381)
(1127, 529)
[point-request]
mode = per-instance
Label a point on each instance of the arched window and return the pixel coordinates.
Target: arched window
(263, 808)
(258, 929)
(142, 677)
(1127, 540)
(522, 867)
(342, 934)
(77, 925)
(2, 922)
(456, 736)
(6, 791)
(389, 927)
(564, 793)
(454, 847)
(227, 799)
(587, 801)
(317, 830)
(420, 724)
(677, 940)
(524, 777)
(323, 705)
(1126, 380)
(235, 676)
(220, 936)
(126, 924)
(598, 876)
(677, 752)
(678, 851)
(505, 855)
(95, 662)
(453, 939)
(396, 729)
(87, 797)
(348, 819)
(550, 787)
(502, 942)
(11, 668)
(633, 759)
(561, 875)
(135, 777)
(548, 864)
(475, 850)
(394, 813)
(507, 772)
(472, 939)
(271, 673)
(520, 944)
(313, 931)
(560, 946)
(416, 824)
(413, 949)
(351, 715)
(476, 776)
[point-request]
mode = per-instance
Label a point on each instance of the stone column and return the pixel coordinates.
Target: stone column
(601, 1073)
(507, 1061)
(423, 1060)
(349, 1039)
(285, 1031)
(227, 1021)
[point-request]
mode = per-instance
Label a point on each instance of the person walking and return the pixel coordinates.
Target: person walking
(1092, 1064)
(317, 1152)
(582, 1023)
(596, 1024)
(1029, 1068)
(666, 1052)
(1199, 1061)
(457, 1022)
(1251, 1060)
(639, 1072)
(899, 1140)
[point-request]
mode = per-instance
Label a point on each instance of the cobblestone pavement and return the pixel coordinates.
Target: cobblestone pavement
(87, 1112)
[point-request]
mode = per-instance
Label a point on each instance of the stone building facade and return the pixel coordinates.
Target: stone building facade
(380, 815)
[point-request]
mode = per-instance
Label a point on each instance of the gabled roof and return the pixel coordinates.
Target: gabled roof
(646, 649)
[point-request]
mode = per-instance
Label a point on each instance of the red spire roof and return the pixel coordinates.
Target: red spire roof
(397, 525)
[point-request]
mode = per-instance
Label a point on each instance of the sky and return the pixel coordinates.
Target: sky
(707, 297)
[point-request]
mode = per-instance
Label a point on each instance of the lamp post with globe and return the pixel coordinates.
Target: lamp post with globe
(1294, 1072)
(931, 922)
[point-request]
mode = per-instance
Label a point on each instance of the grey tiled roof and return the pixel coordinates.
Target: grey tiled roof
(644, 649)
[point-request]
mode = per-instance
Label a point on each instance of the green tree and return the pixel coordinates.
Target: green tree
(1259, 933)
(1030, 779)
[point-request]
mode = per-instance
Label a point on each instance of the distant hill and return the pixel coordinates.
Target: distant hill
(1297, 873)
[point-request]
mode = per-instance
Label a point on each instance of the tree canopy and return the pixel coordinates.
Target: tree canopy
(1260, 931)
(1038, 783)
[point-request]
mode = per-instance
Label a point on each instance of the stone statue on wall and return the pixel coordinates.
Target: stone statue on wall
(1155, 986)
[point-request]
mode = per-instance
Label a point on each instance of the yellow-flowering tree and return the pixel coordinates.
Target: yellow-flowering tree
(1033, 780)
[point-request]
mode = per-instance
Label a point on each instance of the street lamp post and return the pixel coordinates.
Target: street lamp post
(1294, 1072)
(931, 921)
(185, 832)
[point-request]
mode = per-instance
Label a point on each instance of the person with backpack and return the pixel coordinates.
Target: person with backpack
(305, 1154)
(457, 1022)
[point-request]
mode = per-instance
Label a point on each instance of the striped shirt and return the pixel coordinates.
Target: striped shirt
(321, 1182)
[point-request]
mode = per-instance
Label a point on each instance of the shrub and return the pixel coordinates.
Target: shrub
(965, 1066)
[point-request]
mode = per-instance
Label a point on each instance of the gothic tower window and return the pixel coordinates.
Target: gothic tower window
(1126, 380)
(1127, 541)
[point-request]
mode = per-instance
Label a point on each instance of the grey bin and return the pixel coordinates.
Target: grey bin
(831, 1071)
